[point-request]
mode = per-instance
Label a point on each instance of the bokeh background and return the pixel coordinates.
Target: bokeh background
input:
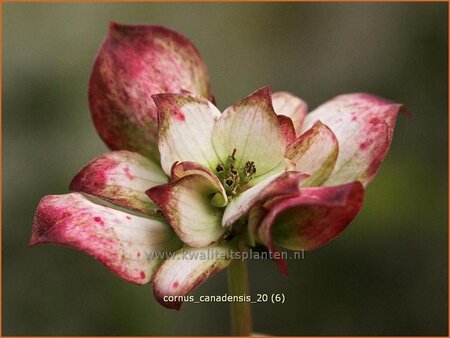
(386, 275)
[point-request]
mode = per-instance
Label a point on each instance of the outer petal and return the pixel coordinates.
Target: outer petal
(186, 269)
(311, 219)
(251, 127)
(185, 130)
(363, 125)
(187, 206)
(133, 63)
(285, 183)
(314, 152)
(286, 104)
(123, 242)
(121, 177)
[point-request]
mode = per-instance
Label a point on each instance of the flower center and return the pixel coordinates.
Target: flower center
(234, 179)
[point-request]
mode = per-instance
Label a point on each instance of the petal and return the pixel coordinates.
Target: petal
(133, 63)
(187, 206)
(125, 243)
(185, 130)
(282, 184)
(315, 153)
(284, 165)
(286, 104)
(251, 127)
(287, 127)
(363, 125)
(255, 216)
(187, 168)
(312, 218)
(121, 177)
(185, 270)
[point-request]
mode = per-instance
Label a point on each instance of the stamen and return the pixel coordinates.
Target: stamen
(233, 153)
(219, 168)
(233, 170)
(235, 190)
(229, 181)
(250, 168)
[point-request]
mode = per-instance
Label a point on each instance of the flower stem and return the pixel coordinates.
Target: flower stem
(241, 318)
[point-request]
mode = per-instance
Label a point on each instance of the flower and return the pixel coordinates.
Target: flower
(184, 180)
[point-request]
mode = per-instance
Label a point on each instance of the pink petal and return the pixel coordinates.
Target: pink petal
(121, 177)
(278, 185)
(135, 62)
(287, 128)
(363, 125)
(310, 219)
(185, 270)
(122, 241)
(255, 216)
(288, 105)
(315, 153)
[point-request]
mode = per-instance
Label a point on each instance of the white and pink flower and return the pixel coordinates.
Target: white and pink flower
(184, 177)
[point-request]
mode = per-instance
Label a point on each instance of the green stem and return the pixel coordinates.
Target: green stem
(241, 318)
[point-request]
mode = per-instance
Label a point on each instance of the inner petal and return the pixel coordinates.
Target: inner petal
(252, 128)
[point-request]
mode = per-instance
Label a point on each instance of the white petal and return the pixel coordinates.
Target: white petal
(252, 128)
(185, 130)
(188, 268)
(186, 204)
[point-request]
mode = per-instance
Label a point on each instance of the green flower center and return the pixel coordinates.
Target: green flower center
(234, 179)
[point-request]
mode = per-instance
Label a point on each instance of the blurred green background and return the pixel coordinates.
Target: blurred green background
(386, 275)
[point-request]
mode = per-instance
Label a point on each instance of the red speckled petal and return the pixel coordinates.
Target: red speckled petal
(252, 128)
(133, 63)
(315, 153)
(121, 177)
(123, 242)
(282, 184)
(187, 206)
(185, 130)
(364, 126)
(310, 219)
(288, 105)
(188, 268)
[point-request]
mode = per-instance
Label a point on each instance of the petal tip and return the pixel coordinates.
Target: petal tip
(42, 221)
(160, 98)
(34, 241)
(122, 30)
(282, 266)
(266, 90)
(405, 111)
(171, 305)
(280, 262)
(114, 26)
(263, 93)
(160, 194)
(76, 183)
